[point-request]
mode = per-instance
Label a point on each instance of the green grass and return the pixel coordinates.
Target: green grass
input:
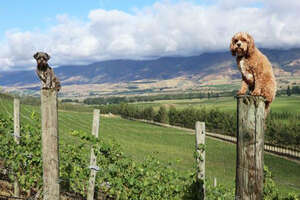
(171, 145)
(280, 104)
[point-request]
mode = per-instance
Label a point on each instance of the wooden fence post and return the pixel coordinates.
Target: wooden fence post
(17, 139)
(250, 147)
(93, 162)
(215, 182)
(50, 139)
(200, 152)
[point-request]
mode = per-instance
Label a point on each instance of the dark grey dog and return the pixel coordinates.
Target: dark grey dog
(45, 72)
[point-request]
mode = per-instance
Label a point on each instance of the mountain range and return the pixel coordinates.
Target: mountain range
(166, 74)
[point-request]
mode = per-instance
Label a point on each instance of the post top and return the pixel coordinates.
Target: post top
(251, 100)
(251, 97)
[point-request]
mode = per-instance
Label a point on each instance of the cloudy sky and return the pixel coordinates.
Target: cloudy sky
(80, 32)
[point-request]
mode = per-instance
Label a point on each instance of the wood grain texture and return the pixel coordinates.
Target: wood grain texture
(200, 152)
(93, 162)
(50, 137)
(250, 148)
(17, 139)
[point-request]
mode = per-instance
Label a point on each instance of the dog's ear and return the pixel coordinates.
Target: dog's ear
(251, 45)
(48, 57)
(35, 55)
(231, 48)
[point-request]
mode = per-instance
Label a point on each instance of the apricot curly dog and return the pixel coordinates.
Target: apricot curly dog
(256, 69)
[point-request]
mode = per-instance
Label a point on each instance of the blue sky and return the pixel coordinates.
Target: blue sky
(34, 14)
(16, 14)
(85, 31)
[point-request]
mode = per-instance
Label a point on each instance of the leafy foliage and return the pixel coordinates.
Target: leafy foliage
(119, 177)
(277, 132)
(162, 115)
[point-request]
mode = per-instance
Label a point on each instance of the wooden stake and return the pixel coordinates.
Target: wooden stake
(215, 182)
(200, 152)
(250, 148)
(93, 162)
(50, 139)
(17, 139)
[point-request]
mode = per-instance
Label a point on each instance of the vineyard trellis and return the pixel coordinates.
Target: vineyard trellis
(62, 180)
(101, 149)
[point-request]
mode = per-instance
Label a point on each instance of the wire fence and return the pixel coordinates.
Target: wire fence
(69, 121)
(66, 125)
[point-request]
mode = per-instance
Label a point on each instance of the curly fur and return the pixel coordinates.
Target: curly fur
(256, 69)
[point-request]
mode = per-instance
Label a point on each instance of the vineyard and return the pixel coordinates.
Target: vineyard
(282, 127)
(136, 161)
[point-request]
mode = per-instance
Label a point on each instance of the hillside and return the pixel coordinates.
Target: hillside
(138, 140)
(165, 74)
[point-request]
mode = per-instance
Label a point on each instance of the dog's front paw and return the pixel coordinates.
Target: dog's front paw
(256, 93)
(241, 92)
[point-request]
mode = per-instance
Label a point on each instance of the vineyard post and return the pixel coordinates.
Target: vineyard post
(250, 147)
(50, 139)
(17, 139)
(200, 157)
(215, 182)
(93, 162)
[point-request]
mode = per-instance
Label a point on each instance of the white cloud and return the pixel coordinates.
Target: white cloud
(162, 29)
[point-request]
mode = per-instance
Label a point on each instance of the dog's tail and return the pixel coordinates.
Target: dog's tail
(267, 109)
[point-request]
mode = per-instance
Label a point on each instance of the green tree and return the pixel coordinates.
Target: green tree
(162, 115)
(288, 91)
(173, 116)
(149, 113)
(296, 90)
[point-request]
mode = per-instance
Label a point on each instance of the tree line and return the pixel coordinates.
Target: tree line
(282, 128)
(193, 95)
(292, 90)
(128, 99)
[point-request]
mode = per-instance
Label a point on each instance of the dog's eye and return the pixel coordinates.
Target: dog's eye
(243, 40)
(235, 41)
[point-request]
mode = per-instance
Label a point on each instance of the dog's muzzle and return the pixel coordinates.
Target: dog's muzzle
(42, 64)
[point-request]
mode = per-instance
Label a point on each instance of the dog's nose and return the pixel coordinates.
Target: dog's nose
(238, 44)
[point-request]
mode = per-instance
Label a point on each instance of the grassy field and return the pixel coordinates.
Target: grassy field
(171, 145)
(280, 104)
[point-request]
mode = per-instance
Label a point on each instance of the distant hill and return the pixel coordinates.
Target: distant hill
(166, 72)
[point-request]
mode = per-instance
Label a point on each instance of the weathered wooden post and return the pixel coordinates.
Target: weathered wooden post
(200, 157)
(250, 147)
(17, 139)
(50, 144)
(93, 163)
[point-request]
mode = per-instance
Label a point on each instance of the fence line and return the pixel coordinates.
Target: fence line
(276, 149)
(289, 152)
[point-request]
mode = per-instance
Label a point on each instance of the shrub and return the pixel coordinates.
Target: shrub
(162, 115)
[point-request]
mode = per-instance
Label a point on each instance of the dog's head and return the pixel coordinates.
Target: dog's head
(242, 44)
(41, 59)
